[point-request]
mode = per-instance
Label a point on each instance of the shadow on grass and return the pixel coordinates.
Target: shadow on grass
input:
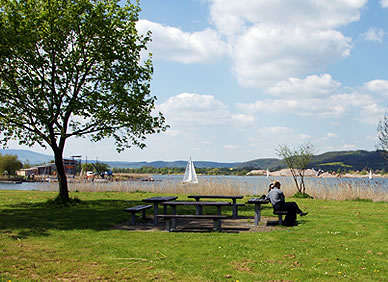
(25, 220)
(37, 219)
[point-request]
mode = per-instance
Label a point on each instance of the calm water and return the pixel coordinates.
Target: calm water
(253, 184)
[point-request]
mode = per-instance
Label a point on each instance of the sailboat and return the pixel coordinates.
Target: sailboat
(267, 172)
(190, 174)
(370, 174)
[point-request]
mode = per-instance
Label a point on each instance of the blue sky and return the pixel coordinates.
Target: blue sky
(235, 79)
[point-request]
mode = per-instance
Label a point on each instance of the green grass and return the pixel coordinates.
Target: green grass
(335, 164)
(38, 241)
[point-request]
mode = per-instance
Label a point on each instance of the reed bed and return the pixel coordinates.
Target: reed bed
(327, 189)
(339, 189)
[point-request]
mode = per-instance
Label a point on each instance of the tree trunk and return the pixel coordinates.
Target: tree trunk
(293, 172)
(62, 179)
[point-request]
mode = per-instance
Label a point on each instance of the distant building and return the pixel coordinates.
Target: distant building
(71, 168)
(27, 171)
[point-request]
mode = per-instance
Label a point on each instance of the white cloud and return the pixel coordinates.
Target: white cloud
(374, 34)
(267, 41)
(377, 86)
(317, 108)
(190, 110)
(311, 86)
(171, 43)
(384, 3)
(328, 102)
(172, 132)
(275, 40)
(194, 109)
(276, 130)
(265, 54)
(328, 136)
(245, 119)
(230, 147)
(303, 136)
(349, 147)
(233, 17)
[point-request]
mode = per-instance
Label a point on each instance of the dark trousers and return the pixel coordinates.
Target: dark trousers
(291, 207)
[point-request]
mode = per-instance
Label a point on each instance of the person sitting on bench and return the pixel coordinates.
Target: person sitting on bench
(277, 199)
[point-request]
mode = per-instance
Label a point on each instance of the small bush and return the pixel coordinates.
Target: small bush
(361, 200)
(301, 195)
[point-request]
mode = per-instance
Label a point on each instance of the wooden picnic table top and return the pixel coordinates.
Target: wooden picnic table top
(257, 201)
(214, 197)
(160, 199)
(195, 203)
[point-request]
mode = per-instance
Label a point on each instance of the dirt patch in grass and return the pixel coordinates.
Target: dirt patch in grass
(243, 266)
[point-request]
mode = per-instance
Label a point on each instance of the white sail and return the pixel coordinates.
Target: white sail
(267, 173)
(190, 174)
(370, 174)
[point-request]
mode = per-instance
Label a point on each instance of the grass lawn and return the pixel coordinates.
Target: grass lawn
(336, 240)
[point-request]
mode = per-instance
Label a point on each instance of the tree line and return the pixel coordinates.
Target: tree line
(181, 170)
(9, 164)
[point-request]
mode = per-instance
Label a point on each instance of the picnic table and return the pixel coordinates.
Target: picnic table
(257, 202)
(198, 205)
(156, 201)
(233, 198)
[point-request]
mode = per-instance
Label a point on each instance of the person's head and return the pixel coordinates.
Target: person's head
(276, 184)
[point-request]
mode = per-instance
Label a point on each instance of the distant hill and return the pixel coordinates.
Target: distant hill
(349, 160)
(160, 164)
(343, 160)
(271, 164)
(354, 160)
(38, 158)
(26, 156)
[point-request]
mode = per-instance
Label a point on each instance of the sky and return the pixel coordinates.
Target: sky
(236, 79)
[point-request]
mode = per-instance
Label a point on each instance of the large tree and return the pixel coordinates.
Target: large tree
(297, 161)
(382, 134)
(74, 68)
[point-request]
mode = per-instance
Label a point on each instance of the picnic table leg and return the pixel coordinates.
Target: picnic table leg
(156, 211)
(234, 209)
(217, 224)
(133, 216)
(219, 220)
(143, 213)
(173, 220)
(165, 209)
(257, 214)
(168, 224)
(198, 210)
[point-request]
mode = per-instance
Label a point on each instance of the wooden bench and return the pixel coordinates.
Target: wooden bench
(134, 210)
(280, 215)
(170, 219)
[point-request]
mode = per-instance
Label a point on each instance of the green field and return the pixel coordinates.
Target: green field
(39, 241)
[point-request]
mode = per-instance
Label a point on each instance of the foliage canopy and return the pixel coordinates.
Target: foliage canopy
(9, 164)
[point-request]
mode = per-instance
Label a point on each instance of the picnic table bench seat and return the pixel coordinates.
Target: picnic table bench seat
(168, 217)
(280, 215)
(136, 209)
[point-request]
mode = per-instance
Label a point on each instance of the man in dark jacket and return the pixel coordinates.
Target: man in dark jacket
(276, 197)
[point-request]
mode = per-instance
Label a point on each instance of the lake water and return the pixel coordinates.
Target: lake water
(253, 185)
